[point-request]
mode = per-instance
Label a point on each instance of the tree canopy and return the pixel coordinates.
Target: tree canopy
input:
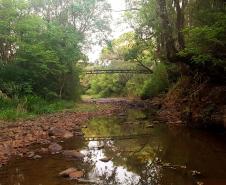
(191, 32)
(41, 42)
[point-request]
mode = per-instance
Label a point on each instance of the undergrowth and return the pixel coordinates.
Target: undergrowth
(30, 106)
(157, 83)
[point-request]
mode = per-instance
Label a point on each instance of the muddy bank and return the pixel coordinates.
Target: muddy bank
(17, 137)
(195, 104)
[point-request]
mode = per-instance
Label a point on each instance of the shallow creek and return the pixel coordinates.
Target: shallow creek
(142, 152)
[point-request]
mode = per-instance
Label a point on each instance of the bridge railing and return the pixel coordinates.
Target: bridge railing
(119, 71)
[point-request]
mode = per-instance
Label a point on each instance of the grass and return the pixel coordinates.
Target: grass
(30, 107)
(33, 106)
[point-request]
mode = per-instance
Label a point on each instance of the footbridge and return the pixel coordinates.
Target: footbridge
(118, 71)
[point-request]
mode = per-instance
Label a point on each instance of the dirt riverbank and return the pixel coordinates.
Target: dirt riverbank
(199, 105)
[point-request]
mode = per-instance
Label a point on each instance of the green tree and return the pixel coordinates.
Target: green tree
(41, 42)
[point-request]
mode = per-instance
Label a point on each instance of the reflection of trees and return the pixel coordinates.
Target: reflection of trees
(110, 179)
(150, 174)
(131, 158)
(132, 154)
(15, 176)
(115, 125)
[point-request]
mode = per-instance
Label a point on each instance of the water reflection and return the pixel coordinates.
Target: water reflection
(132, 158)
(107, 172)
(137, 156)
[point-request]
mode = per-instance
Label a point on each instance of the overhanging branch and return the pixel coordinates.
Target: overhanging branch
(125, 10)
(144, 66)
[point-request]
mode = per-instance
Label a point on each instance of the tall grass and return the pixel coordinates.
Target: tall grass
(30, 106)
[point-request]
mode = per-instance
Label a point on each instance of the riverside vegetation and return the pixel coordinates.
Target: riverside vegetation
(182, 43)
(41, 43)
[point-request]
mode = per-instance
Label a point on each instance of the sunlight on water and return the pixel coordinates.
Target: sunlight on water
(108, 169)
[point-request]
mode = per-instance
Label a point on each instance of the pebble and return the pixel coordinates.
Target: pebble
(150, 126)
(37, 157)
(199, 183)
(195, 173)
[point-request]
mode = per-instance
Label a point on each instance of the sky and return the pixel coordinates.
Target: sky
(117, 27)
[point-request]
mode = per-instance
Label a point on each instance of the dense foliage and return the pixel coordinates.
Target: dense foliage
(171, 38)
(191, 32)
(41, 43)
(127, 52)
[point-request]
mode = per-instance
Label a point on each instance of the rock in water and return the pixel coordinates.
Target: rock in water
(37, 157)
(55, 148)
(105, 159)
(155, 122)
(68, 135)
(150, 126)
(31, 154)
(73, 154)
(195, 173)
(199, 183)
(58, 132)
(87, 181)
(66, 172)
(76, 174)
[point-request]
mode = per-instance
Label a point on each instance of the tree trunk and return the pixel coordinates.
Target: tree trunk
(167, 32)
(180, 22)
(62, 86)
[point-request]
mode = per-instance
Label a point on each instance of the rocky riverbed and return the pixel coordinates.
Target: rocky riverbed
(116, 145)
(16, 138)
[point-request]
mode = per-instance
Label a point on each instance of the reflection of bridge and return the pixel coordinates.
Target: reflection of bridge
(122, 137)
(111, 71)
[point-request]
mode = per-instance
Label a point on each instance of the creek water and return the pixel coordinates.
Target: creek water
(141, 154)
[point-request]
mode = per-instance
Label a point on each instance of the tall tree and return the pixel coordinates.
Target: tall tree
(167, 31)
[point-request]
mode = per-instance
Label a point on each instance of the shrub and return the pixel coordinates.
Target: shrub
(106, 85)
(157, 83)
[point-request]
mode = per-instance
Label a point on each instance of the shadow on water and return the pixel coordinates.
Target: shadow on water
(140, 153)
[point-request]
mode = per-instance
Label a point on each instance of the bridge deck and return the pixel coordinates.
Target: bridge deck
(111, 71)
